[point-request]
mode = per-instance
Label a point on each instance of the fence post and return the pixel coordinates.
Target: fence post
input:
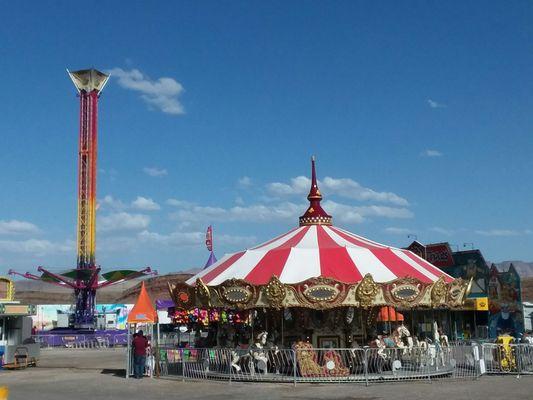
(427, 366)
(365, 365)
(294, 366)
(477, 363)
(182, 364)
(230, 362)
(481, 359)
(517, 358)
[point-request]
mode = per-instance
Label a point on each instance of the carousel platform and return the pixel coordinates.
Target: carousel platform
(327, 366)
(385, 376)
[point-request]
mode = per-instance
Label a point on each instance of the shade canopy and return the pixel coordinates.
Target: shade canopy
(143, 311)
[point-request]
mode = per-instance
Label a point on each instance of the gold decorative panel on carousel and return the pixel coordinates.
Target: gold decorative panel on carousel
(7, 289)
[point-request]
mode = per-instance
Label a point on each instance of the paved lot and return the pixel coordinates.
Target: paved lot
(91, 374)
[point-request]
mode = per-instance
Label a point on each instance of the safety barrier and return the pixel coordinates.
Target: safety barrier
(75, 341)
(358, 365)
(508, 359)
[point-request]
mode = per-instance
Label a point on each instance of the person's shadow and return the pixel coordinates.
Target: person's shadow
(120, 373)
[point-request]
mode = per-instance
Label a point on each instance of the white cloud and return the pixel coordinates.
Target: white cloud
(503, 232)
(245, 181)
(118, 244)
(252, 213)
(179, 203)
(145, 204)
(343, 187)
(110, 202)
(350, 189)
(192, 239)
(155, 172)
(239, 201)
(343, 213)
(15, 227)
(397, 231)
(123, 221)
(36, 247)
(298, 186)
(442, 231)
(431, 153)
(111, 173)
(357, 214)
(176, 239)
(284, 211)
(162, 93)
(435, 104)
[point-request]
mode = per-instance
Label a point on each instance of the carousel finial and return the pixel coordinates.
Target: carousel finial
(314, 215)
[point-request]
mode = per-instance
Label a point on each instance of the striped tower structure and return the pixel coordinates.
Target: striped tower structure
(89, 83)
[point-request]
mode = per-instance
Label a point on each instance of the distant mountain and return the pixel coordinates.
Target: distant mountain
(38, 292)
(524, 269)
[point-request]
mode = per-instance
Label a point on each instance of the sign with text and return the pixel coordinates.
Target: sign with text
(439, 255)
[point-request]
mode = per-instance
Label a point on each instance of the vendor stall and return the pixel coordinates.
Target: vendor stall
(16, 343)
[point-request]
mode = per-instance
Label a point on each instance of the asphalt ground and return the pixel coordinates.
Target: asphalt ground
(99, 374)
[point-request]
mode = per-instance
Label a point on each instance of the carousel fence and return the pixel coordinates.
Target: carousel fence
(359, 365)
(508, 359)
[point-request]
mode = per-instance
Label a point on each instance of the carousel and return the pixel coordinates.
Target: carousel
(314, 289)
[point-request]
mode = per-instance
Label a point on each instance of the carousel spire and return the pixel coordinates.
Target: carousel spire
(315, 214)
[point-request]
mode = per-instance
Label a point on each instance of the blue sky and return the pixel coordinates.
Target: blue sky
(419, 114)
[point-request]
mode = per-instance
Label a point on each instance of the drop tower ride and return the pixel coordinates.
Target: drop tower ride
(84, 280)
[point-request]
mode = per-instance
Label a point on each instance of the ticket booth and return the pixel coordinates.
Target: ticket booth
(15, 325)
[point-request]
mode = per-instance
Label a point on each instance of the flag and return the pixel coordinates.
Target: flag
(209, 238)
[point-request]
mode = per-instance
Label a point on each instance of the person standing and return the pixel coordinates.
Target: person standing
(139, 344)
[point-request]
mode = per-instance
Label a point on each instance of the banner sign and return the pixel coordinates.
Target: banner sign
(209, 238)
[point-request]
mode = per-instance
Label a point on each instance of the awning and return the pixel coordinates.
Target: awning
(143, 311)
(389, 314)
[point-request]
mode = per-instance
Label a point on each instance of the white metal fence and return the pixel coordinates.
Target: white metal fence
(507, 359)
(360, 365)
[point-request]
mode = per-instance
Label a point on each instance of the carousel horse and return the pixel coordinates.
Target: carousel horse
(442, 344)
(258, 353)
(433, 352)
(427, 353)
(402, 339)
(379, 359)
(379, 343)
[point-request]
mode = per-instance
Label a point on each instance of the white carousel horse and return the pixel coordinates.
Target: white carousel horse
(401, 333)
(235, 358)
(426, 352)
(442, 343)
(258, 353)
(380, 345)
(436, 350)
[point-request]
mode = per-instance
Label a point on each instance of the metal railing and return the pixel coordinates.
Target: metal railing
(75, 341)
(358, 365)
(507, 359)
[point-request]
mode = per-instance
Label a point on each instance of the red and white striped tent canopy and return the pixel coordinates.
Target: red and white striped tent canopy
(318, 249)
